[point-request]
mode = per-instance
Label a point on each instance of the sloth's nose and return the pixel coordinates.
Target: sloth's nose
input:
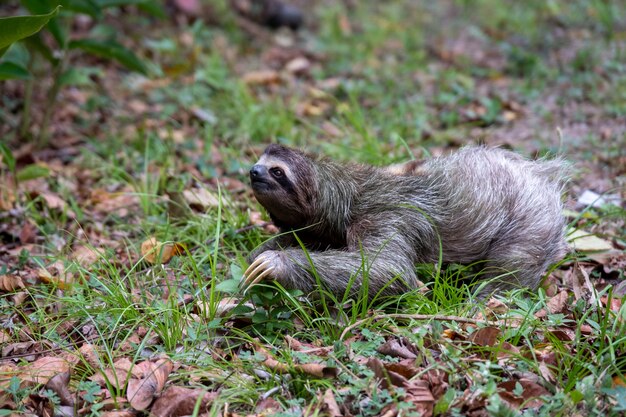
(256, 171)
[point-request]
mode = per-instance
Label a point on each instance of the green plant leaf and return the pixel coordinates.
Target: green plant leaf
(11, 70)
(12, 29)
(229, 286)
(42, 7)
(35, 43)
(7, 157)
(152, 7)
(89, 7)
(112, 50)
(32, 171)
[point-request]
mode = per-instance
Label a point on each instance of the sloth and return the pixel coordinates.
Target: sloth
(346, 225)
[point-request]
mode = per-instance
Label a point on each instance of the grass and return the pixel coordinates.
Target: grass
(395, 99)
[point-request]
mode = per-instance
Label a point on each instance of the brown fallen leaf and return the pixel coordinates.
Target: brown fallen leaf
(555, 305)
(7, 371)
(399, 347)
(308, 348)
(298, 65)
(141, 391)
(485, 336)
(178, 401)
(117, 376)
(529, 397)
(155, 252)
(121, 413)
(86, 356)
(55, 274)
(406, 367)
(267, 406)
(329, 404)
(60, 385)
(55, 202)
(201, 198)
(421, 398)
(10, 283)
(114, 203)
(85, 255)
(28, 233)
(43, 369)
(385, 376)
(318, 370)
(262, 77)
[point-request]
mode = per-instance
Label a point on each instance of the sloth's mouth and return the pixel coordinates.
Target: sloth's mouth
(259, 184)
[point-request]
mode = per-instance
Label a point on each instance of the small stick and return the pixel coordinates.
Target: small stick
(457, 319)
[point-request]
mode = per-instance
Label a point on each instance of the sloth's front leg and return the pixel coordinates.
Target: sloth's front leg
(337, 271)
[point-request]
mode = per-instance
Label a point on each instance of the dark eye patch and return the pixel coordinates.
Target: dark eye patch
(285, 184)
(277, 173)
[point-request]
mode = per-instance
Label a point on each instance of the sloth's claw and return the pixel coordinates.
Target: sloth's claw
(259, 269)
(250, 281)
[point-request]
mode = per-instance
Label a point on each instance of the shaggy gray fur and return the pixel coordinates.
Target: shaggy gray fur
(480, 203)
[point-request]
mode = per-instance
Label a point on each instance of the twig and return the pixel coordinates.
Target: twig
(457, 319)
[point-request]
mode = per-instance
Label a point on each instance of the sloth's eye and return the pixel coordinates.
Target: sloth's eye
(277, 172)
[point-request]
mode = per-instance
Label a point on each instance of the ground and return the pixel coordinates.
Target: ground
(126, 226)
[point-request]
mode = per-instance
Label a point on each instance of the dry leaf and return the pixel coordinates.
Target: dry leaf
(178, 401)
(43, 369)
(555, 305)
(201, 198)
(117, 376)
(419, 395)
(329, 404)
(59, 276)
(405, 367)
(53, 201)
(385, 376)
(85, 255)
(10, 283)
(121, 413)
(398, 347)
(155, 252)
(262, 77)
(60, 385)
(7, 371)
(114, 203)
(586, 242)
(529, 397)
(141, 392)
(619, 381)
(28, 233)
(298, 65)
(318, 370)
(485, 336)
(267, 406)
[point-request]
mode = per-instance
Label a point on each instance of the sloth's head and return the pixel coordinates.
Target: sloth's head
(284, 182)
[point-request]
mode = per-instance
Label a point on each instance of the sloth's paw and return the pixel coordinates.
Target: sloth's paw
(263, 266)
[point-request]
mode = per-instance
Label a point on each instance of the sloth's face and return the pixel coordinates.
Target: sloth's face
(282, 181)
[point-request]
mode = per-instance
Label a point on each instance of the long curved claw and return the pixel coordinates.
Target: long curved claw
(257, 279)
(260, 268)
(254, 269)
(258, 263)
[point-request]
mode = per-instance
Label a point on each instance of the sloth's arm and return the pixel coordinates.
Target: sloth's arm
(379, 264)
